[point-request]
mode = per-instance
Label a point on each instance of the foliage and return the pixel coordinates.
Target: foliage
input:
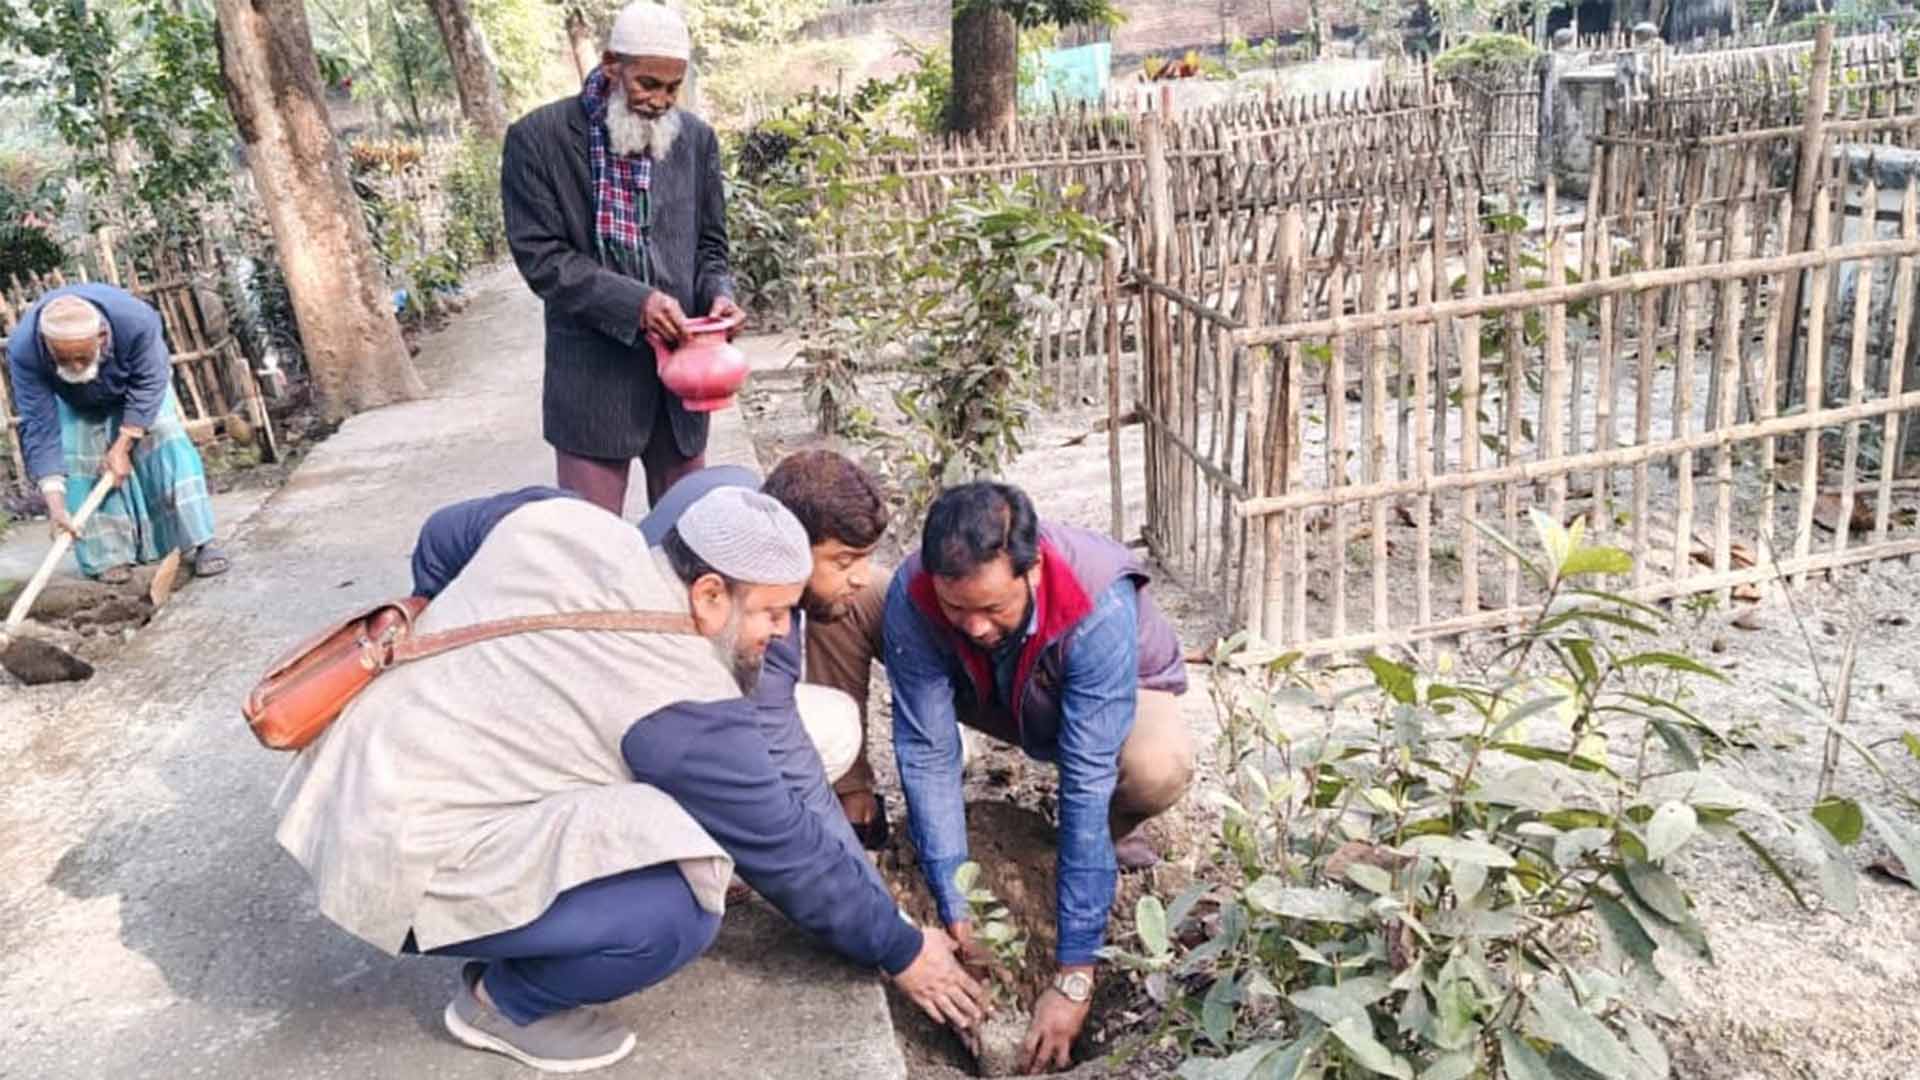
(1482, 53)
(1467, 874)
(521, 35)
(972, 279)
(994, 928)
(133, 90)
(476, 222)
(29, 250)
(393, 51)
(1028, 14)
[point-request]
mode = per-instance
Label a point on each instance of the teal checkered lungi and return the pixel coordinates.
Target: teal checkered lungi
(163, 505)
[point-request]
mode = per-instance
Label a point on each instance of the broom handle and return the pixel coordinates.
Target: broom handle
(60, 545)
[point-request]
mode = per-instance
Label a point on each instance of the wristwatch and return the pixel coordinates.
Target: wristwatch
(1075, 986)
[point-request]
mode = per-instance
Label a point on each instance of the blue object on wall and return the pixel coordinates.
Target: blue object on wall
(1071, 76)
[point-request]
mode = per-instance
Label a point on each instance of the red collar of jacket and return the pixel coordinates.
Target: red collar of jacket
(1062, 601)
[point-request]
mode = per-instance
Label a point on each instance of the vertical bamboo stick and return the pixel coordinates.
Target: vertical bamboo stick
(1337, 443)
(1732, 338)
(1856, 371)
(1515, 340)
(1820, 236)
(1683, 382)
(1903, 289)
(1296, 521)
(1109, 292)
(1780, 321)
(1469, 331)
(1649, 329)
(1375, 288)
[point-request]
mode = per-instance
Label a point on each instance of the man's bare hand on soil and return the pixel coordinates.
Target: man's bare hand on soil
(940, 986)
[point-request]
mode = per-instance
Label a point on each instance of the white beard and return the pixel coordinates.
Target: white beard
(84, 375)
(629, 133)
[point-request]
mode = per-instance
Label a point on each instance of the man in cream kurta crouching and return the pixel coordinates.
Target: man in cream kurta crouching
(567, 806)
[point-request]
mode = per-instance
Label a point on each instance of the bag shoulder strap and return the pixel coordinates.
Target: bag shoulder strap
(645, 622)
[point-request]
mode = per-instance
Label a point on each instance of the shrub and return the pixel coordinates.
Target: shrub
(476, 224)
(1484, 52)
(1466, 874)
(28, 250)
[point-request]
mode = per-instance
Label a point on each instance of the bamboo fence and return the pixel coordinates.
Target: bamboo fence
(218, 393)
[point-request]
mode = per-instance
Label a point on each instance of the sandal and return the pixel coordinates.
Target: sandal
(210, 561)
(116, 575)
(874, 832)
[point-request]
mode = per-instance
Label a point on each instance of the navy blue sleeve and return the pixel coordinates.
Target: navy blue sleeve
(33, 397)
(451, 536)
(149, 368)
(710, 757)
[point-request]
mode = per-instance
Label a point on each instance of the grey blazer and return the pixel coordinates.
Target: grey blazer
(601, 392)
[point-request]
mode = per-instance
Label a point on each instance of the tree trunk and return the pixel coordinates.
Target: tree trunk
(340, 297)
(585, 51)
(986, 69)
(474, 75)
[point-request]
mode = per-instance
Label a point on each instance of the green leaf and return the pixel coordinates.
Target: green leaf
(1672, 825)
(965, 875)
(1596, 560)
(1653, 887)
(1455, 1066)
(1671, 661)
(1150, 919)
(1623, 926)
(1773, 866)
(1554, 538)
(1522, 1062)
(1558, 757)
(1842, 819)
(1395, 679)
(1451, 849)
(1357, 1036)
(1371, 878)
(1911, 742)
(1569, 847)
(1216, 1011)
(1898, 836)
(1839, 881)
(1455, 1010)
(1647, 1046)
(1579, 1032)
(1328, 1004)
(1271, 896)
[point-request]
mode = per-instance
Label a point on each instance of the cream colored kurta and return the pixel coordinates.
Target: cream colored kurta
(459, 795)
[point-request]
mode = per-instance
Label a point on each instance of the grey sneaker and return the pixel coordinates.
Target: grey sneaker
(577, 1040)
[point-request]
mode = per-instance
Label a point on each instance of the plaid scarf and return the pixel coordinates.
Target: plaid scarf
(621, 185)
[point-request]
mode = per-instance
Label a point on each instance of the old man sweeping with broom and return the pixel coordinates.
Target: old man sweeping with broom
(93, 381)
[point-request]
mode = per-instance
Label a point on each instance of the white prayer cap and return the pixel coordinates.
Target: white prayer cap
(646, 28)
(747, 537)
(69, 319)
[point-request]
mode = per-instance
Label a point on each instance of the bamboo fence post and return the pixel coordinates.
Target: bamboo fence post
(1514, 338)
(1336, 379)
(1856, 371)
(1439, 288)
(1903, 289)
(1732, 338)
(1159, 229)
(1375, 287)
(1295, 226)
(1649, 330)
(1812, 163)
(1255, 581)
(1469, 331)
(1814, 383)
(1422, 454)
(1683, 382)
(1554, 400)
(1779, 323)
(1604, 396)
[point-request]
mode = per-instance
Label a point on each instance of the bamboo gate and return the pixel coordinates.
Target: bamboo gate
(1327, 426)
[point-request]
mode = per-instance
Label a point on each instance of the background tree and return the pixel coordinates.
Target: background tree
(133, 91)
(340, 298)
(986, 64)
(474, 75)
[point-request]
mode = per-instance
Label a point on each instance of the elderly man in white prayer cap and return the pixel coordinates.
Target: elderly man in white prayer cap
(565, 807)
(616, 215)
(93, 381)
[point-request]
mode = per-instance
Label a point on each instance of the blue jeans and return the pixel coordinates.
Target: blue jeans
(597, 942)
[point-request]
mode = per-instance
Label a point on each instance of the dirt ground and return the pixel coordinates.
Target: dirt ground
(1791, 994)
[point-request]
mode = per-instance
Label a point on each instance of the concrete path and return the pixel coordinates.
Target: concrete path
(150, 927)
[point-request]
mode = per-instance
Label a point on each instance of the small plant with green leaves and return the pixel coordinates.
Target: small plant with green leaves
(1468, 872)
(996, 1044)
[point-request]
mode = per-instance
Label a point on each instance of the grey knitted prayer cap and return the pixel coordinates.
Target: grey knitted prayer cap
(748, 537)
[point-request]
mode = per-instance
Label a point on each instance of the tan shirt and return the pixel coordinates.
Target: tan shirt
(459, 795)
